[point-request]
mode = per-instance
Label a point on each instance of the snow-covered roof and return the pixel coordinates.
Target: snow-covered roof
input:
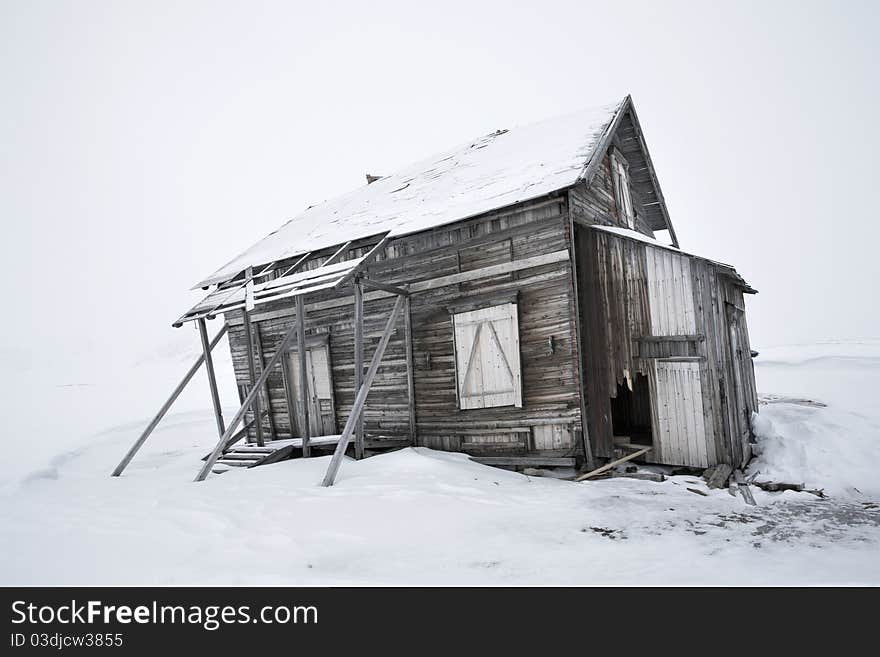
(485, 174)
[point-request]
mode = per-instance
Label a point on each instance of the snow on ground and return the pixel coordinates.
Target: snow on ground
(417, 516)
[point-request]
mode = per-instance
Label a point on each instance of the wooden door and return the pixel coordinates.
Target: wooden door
(679, 429)
(319, 378)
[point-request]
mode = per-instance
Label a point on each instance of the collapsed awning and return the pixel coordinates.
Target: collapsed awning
(245, 292)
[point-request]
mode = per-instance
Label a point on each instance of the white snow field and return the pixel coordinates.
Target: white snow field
(418, 516)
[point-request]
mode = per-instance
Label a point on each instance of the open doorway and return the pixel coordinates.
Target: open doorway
(631, 413)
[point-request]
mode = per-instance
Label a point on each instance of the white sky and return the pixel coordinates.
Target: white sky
(144, 144)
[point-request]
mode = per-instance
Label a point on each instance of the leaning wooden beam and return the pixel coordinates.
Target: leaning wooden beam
(358, 363)
(393, 289)
(248, 400)
(410, 371)
(303, 372)
(212, 379)
(162, 411)
(608, 466)
(361, 397)
(339, 253)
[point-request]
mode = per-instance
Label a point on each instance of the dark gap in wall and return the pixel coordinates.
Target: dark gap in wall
(631, 412)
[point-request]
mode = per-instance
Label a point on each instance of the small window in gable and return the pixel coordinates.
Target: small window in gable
(620, 176)
(487, 366)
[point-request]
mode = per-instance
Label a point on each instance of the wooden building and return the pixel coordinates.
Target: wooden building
(511, 299)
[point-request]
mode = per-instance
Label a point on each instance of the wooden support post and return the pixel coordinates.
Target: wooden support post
(258, 346)
(255, 408)
(248, 400)
(361, 397)
(358, 363)
(212, 379)
(410, 371)
(303, 372)
(168, 402)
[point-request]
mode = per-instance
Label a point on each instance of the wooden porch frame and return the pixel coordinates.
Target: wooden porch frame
(363, 391)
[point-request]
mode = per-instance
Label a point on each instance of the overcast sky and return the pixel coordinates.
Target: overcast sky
(144, 144)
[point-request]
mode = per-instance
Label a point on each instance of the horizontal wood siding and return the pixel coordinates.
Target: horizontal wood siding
(544, 299)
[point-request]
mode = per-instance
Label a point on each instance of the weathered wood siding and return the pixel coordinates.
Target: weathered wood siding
(624, 334)
(549, 419)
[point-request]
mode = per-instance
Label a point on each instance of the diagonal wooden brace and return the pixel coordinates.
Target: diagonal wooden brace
(361, 398)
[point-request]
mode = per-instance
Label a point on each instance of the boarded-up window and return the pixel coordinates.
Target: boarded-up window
(620, 176)
(487, 357)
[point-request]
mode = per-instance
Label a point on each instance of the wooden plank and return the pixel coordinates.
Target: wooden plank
(719, 476)
(338, 254)
(295, 265)
(212, 379)
(558, 461)
(358, 363)
(303, 372)
(378, 285)
(210, 314)
(368, 257)
(167, 405)
(221, 444)
(363, 391)
(608, 466)
(410, 371)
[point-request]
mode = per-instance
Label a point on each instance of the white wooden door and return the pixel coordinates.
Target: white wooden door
(487, 362)
(322, 421)
(680, 428)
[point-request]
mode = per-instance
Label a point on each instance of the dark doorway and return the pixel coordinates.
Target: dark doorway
(631, 413)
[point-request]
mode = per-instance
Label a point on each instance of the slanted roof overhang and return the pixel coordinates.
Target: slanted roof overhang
(246, 293)
(723, 269)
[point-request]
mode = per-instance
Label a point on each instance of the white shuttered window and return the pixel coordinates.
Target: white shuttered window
(487, 363)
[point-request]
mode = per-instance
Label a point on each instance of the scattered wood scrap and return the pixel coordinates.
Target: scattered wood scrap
(608, 466)
(778, 486)
(646, 476)
(743, 488)
(698, 492)
(717, 475)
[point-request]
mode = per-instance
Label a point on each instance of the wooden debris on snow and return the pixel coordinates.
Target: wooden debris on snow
(743, 487)
(717, 476)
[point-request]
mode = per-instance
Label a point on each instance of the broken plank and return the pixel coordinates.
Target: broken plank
(608, 466)
(719, 476)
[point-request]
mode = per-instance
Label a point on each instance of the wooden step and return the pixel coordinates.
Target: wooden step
(238, 464)
(247, 456)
